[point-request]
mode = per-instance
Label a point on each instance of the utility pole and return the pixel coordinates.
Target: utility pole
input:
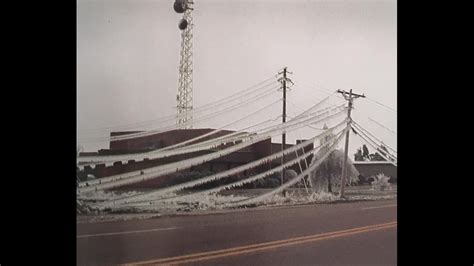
(349, 96)
(283, 81)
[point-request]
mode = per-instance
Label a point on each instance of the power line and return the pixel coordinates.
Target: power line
(239, 169)
(230, 172)
(373, 136)
(270, 131)
(381, 104)
(153, 172)
(296, 179)
(377, 123)
(221, 128)
(359, 131)
(195, 120)
(375, 148)
(248, 91)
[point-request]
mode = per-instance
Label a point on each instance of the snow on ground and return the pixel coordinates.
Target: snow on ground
(197, 202)
(203, 204)
(97, 196)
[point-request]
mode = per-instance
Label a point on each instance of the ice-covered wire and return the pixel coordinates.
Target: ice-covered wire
(153, 172)
(376, 148)
(190, 122)
(193, 148)
(379, 124)
(220, 128)
(233, 184)
(267, 173)
(196, 120)
(318, 88)
(230, 172)
(372, 135)
(227, 138)
(109, 159)
(317, 113)
(293, 181)
(252, 89)
(381, 104)
(180, 165)
(359, 131)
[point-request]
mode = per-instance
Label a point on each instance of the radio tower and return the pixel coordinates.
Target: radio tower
(184, 98)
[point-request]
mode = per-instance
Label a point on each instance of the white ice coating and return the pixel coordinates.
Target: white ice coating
(212, 105)
(218, 129)
(191, 122)
(239, 183)
(313, 166)
(209, 144)
(375, 144)
(191, 148)
(228, 139)
(141, 175)
(377, 150)
(166, 191)
(372, 135)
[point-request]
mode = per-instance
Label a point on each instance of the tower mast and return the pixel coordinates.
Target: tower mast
(184, 98)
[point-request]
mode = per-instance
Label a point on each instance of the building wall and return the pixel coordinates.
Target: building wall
(162, 139)
(370, 169)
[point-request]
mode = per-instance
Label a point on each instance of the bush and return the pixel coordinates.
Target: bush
(381, 182)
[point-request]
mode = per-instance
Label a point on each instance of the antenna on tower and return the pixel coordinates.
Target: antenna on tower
(184, 98)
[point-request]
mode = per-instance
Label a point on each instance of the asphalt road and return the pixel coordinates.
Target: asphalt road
(325, 234)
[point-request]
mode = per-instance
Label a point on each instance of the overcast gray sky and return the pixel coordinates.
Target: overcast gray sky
(128, 57)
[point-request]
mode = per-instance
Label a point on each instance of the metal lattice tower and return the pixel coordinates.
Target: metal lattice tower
(184, 97)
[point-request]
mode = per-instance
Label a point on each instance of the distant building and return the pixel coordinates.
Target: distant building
(368, 169)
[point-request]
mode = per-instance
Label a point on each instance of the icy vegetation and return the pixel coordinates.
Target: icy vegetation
(294, 197)
(197, 202)
(200, 202)
(381, 183)
(96, 196)
(331, 171)
(221, 202)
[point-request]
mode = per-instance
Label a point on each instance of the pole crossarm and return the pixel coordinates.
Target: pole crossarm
(349, 96)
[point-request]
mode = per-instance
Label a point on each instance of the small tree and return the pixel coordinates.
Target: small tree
(381, 182)
(330, 170)
(358, 155)
(376, 156)
(365, 152)
(362, 154)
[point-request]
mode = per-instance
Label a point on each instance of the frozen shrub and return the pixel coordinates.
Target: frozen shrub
(381, 182)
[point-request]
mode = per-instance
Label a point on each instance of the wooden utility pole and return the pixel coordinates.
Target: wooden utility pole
(349, 96)
(283, 81)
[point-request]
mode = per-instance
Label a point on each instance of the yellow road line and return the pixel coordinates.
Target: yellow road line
(263, 246)
(378, 207)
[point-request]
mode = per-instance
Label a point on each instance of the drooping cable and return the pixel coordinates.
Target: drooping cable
(359, 131)
(293, 181)
(220, 128)
(153, 172)
(233, 171)
(375, 148)
(86, 160)
(379, 124)
(174, 167)
(252, 89)
(372, 135)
